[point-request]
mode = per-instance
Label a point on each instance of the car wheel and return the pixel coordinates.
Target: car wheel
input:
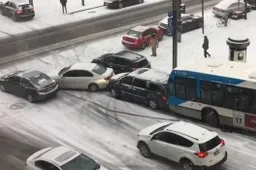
(210, 116)
(187, 165)
(140, 1)
(114, 93)
(30, 98)
(143, 46)
(2, 88)
(144, 150)
(93, 87)
(120, 5)
(14, 18)
(152, 104)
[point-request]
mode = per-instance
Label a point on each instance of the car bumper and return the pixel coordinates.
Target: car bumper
(26, 16)
(111, 4)
(41, 97)
(215, 165)
(131, 45)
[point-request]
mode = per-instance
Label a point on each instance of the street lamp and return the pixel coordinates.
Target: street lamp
(82, 2)
(203, 16)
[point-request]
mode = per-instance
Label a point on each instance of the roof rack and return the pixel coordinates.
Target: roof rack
(183, 134)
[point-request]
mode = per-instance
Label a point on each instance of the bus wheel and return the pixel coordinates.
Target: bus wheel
(210, 116)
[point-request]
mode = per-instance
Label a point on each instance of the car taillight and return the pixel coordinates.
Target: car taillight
(164, 99)
(19, 12)
(222, 142)
(108, 78)
(134, 67)
(201, 154)
(32, 9)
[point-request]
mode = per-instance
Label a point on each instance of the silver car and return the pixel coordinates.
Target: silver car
(228, 7)
(83, 76)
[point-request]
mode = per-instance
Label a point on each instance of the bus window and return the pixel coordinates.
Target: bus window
(211, 93)
(232, 94)
(185, 88)
(244, 100)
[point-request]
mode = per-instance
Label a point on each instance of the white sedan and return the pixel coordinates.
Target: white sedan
(83, 76)
(61, 158)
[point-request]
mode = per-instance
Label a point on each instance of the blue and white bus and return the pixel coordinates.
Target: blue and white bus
(217, 92)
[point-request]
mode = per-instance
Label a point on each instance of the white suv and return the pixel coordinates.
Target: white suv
(190, 145)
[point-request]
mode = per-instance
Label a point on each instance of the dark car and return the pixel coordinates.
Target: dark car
(144, 85)
(139, 37)
(123, 61)
(17, 9)
(189, 22)
(121, 3)
(32, 84)
(252, 3)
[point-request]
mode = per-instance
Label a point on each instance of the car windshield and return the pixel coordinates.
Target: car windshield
(133, 33)
(64, 70)
(99, 69)
(81, 162)
(209, 145)
(40, 80)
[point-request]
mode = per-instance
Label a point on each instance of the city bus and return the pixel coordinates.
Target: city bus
(217, 92)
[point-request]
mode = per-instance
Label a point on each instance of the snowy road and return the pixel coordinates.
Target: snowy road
(94, 122)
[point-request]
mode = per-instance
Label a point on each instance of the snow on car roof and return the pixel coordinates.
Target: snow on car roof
(224, 4)
(83, 66)
(60, 155)
(140, 28)
(20, 2)
(129, 55)
(197, 133)
(151, 75)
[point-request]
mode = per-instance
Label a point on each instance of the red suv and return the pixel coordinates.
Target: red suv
(139, 36)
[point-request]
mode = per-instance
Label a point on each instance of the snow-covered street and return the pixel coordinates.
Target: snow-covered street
(107, 128)
(49, 14)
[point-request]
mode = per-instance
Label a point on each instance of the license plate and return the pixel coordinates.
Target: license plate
(216, 152)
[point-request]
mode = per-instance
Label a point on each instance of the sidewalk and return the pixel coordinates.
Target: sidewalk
(49, 14)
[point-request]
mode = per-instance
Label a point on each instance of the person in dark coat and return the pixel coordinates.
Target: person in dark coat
(153, 43)
(206, 46)
(64, 6)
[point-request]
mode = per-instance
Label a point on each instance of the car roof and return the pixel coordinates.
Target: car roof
(60, 155)
(20, 2)
(150, 75)
(196, 133)
(224, 4)
(140, 28)
(27, 73)
(83, 66)
(129, 55)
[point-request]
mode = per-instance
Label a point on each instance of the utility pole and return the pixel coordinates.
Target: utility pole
(245, 10)
(82, 2)
(175, 8)
(203, 16)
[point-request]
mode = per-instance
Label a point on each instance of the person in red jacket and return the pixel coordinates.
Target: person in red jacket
(64, 6)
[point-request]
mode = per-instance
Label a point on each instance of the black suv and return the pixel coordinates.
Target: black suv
(123, 61)
(144, 85)
(121, 3)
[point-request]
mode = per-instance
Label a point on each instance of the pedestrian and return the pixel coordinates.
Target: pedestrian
(206, 46)
(153, 44)
(64, 6)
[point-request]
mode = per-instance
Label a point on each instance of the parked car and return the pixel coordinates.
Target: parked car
(139, 37)
(17, 9)
(32, 84)
(189, 22)
(144, 85)
(61, 158)
(83, 76)
(192, 146)
(121, 3)
(238, 15)
(228, 7)
(252, 3)
(123, 61)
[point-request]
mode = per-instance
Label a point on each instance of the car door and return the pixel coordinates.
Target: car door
(146, 36)
(7, 9)
(187, 24)
(69, 80)
(125, 87)
(109, 62)
(178, 146)
(159, 144)
(26, 87)
(13, 85)
(44, 165)
(139, 90)
(84, 78)
(120, 65)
